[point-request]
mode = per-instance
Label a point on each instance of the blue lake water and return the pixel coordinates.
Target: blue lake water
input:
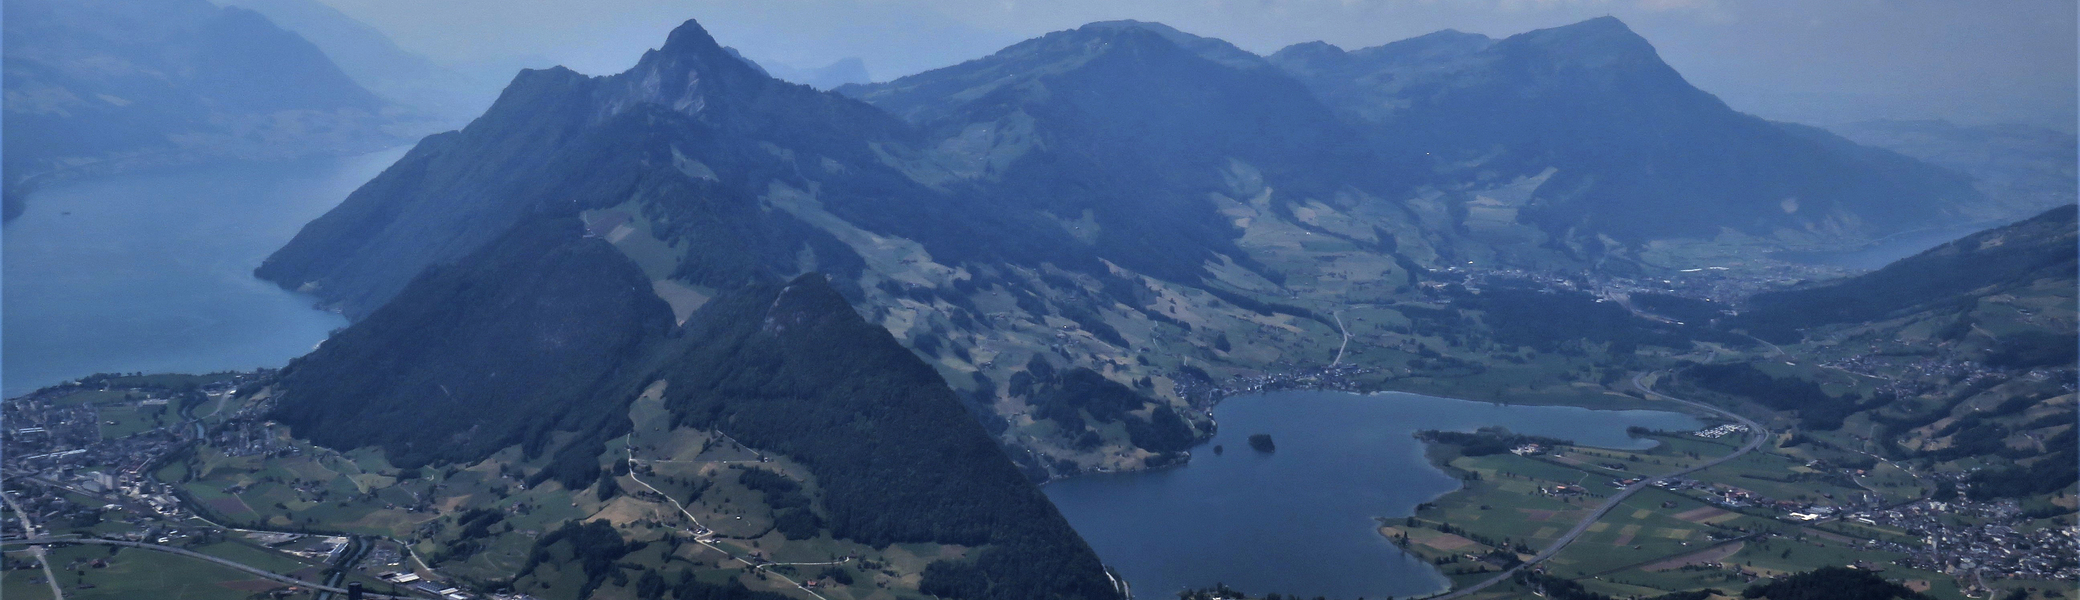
(1301, 520)
(1886, 251)
(153, 271)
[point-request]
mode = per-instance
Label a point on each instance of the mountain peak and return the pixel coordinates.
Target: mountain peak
(1314, 48)
(689, 73)
(690, 38)
(1598, 37)
(1213, 49)
(807, 298)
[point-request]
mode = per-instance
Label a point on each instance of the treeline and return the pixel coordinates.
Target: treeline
(1816, 410)
(2018, 254)
(1825, 583)
(1066, 397)
(792, 515)
(1486, 440)
(593, 546)
(529, 339)
(1833, 583)
(1550, 320)
(596, 548)
(1556, 588)
(793, 370)
(2048, 473)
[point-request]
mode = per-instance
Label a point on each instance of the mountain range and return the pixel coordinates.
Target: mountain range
(439, 97)
(841, 72)
(1123, 198)
(96, 86)
(894, 307)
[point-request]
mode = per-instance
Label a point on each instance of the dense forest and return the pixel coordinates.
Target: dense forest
(507, 348)
(1550, 320)
(793, 370)
(1076, 396)
(1556, 588)
(596, 548)
(549, 331)
(1833, 583)
(1816, 409)
(1486, 440)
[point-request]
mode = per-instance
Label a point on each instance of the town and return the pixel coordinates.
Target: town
(79, 473)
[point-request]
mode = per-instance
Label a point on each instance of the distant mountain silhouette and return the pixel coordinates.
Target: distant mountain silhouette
(100, 85)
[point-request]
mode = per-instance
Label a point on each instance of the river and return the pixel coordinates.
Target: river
(1300, 520)
(152, 271)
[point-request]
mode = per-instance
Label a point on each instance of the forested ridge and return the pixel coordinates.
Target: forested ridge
(793, 370)
(2041, 247)
(535, 334)
(434, 377)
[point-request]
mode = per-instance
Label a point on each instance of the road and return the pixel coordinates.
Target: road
(1757, 435)
(40, 542)
(702, 538)
(29, 530)
(1346, 339)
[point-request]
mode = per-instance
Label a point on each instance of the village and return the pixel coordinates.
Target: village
(79, 467)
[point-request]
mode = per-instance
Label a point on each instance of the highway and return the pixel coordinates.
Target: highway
(1757, 435)
(39, 542)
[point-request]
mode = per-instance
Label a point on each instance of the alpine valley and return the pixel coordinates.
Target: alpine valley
(690, 331)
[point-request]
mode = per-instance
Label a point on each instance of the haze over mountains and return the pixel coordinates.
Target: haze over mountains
(443, 95)
(698, 306)
(97, 86)
(1134, 206)
(840, 72)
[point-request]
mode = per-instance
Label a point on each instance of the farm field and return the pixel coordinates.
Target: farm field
(1658, 541)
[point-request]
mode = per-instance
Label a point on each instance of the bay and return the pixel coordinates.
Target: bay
(1301, 519)
(152, 271)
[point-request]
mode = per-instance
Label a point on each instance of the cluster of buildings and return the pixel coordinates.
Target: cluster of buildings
(247, 437)
(1339, 377)
(1721, 431)
(1725, 285)
(1984, 539)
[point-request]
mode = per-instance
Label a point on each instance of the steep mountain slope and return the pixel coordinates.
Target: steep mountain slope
(98, 85)
(1118, 123)
(571, 312)
(712, 175)
(1635, 151)
(1957, 275)
(789, 370)
(1960, 358)
(689, 120)
(443, 96)
(1083, 233)
(795, 370)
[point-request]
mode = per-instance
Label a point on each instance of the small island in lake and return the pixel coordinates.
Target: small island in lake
(1262, 442)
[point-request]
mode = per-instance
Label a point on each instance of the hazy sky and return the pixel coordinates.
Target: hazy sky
(1816, 61)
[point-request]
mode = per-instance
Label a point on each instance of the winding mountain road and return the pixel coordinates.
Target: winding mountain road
(1757, 435)
(703, 539)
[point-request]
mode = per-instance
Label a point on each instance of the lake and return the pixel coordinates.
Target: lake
(153, 271)
(1301, 520)
(1885, 251)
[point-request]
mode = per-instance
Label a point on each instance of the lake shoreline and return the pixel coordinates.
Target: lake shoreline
(1343, 461)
